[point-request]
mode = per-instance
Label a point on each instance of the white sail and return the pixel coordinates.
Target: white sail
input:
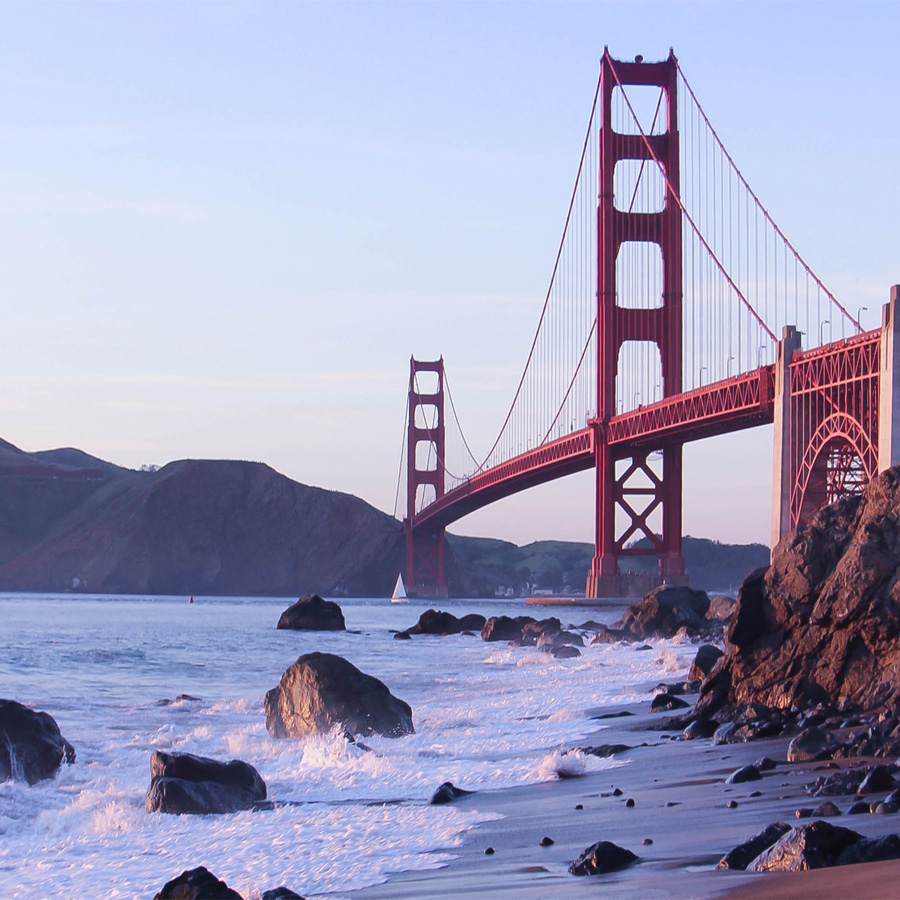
(399, 595)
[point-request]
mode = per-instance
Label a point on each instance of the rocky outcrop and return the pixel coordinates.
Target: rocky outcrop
(196, 884)
(821, 624)
(741, 856)
(821, 844)
(182, 783)
(31, 746)
(312, 613)
(321, 690)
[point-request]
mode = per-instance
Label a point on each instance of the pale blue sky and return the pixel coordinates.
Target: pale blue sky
(226, 227)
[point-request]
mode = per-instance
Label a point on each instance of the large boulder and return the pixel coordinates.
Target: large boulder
(182, 783)
(321, 690)
(196, 884)
(663, 612)
(312, 613)
(822, 623)
(31, 746)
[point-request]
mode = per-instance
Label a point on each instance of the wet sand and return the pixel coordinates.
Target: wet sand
(680, 804)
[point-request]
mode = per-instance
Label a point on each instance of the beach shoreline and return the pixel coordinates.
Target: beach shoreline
(680, 804)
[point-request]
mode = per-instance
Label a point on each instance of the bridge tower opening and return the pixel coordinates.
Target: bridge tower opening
(623, 317)
(425, 473)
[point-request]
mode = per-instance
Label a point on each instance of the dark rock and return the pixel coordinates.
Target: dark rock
(196, 884)
(472, 622)
(590, 625)
(565, 652)
(447, 793)
(667, 702)
(814, 846)
(550, 640)
(871, 850)
(859, 808)
(321, 690)
(700, 728)
(803, 813)
(312, 613)
(280, 893)
(181, 698)
(877, 779)
(533, 631)
(182, 783)
(547, 842)
(31, 746)
(605, 750)
(732, 804)
(826, 810)
(745, 773)
(608, 636)
(822, 622)
(811, 744)
(742, 855)
(707, 656)
(503, 628)
(629, 803)
(402, 636)
(884, 809)
(647, 841)
(893, 797)
(663, 612)
(765, 764)
(488, 851)
(579, 806)
(640, 647)
(604, 856)
(839, 784)
(434, 621)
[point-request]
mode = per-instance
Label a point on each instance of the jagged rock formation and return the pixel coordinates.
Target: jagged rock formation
(821, 624)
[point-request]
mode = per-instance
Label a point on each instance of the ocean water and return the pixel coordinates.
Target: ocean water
(487, 716)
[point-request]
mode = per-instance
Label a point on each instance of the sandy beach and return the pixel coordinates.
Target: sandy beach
(680, 804)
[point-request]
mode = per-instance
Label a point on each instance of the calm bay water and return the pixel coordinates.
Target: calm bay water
(486, 716)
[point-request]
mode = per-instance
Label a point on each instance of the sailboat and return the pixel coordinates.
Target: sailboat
(399, 595)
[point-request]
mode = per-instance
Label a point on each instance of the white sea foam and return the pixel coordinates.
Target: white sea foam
(486, 716)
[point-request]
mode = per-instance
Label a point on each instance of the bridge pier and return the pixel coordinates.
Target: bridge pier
(783, 475)
(889, 385)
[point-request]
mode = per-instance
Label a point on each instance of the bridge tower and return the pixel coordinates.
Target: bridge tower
(629, 484)
(424, 470)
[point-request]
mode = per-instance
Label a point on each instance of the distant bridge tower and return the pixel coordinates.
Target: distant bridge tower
(424, 471)
(626, 482)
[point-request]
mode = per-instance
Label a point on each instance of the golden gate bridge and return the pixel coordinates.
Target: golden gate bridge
(677, 309)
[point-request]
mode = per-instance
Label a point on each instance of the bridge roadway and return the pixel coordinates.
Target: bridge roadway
(742, 401)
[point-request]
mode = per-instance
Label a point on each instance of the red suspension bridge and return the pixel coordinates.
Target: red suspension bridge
(677, 310)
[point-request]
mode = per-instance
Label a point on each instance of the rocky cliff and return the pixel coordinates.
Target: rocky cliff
(822, 623)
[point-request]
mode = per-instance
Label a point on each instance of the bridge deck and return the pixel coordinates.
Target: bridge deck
(724, 406)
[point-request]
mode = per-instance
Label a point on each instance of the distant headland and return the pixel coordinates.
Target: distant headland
(72, 522)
